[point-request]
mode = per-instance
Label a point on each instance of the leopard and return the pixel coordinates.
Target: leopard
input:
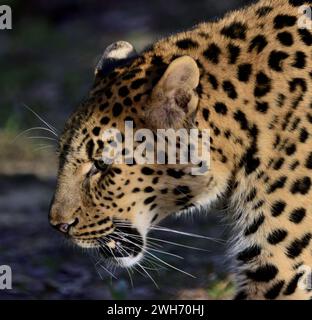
(245, 78)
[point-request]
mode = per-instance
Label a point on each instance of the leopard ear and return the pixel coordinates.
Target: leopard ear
(115, 55)
(173, 100)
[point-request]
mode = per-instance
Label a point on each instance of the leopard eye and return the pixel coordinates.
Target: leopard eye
(101, 165)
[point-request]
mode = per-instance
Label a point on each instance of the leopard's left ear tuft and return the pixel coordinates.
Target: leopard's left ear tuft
(174, 100)
(115, 55)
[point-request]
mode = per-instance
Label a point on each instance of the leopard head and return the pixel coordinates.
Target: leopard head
(112, 206)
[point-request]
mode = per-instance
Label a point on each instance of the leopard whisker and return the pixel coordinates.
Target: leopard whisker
(159, 259)
(42, 120)
(98, 263)
(33, 129)
(121, 250)
(41, 137)
(147, 273)
(154, 245)
(43, 148)
(177, 244)
(139, 271)
(105, 269)
(220, 241)
(153, 266)
(151, 240)
(178, 232)
(160, 251)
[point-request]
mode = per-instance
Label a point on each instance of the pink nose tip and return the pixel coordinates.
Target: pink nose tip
(63, 227)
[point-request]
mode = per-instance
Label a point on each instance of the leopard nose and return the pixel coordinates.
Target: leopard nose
(65, 227)
(61, 218)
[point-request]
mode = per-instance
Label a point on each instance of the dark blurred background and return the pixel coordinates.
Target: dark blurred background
(46, 64)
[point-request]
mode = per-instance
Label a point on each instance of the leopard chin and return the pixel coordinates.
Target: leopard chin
(130, 261)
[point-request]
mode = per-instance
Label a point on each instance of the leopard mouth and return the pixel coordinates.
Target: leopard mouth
(125, 247)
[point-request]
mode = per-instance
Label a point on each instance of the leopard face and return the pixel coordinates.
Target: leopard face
(113, 206)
